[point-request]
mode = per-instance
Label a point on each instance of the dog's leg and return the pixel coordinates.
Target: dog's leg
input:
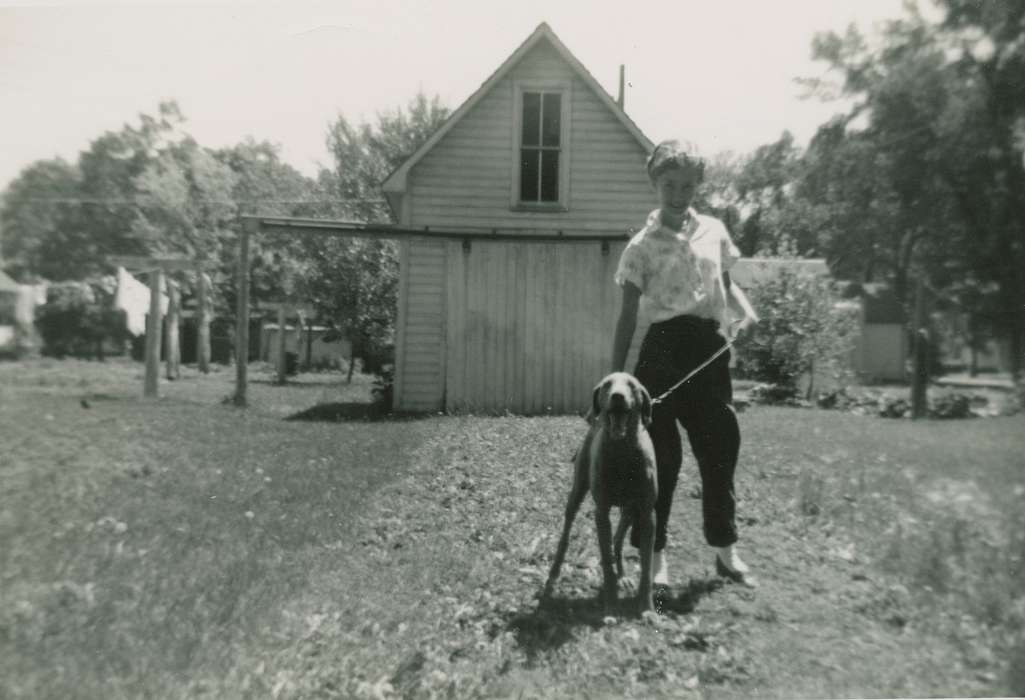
(603, 524)
(645, 525)
(626, 518)
(576, 497)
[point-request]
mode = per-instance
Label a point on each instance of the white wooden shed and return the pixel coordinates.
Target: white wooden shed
(545, 173)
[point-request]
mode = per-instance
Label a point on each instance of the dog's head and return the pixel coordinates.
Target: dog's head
(620, 403)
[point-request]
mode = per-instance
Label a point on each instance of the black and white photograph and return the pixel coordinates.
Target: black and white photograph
(455, 349)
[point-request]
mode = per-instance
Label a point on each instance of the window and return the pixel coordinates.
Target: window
(541, 137)
(540, 147)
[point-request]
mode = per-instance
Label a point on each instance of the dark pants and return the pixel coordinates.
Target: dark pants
(703, 406)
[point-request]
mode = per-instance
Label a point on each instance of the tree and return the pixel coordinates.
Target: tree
(944, 104)
(185, 208)
(849, 204)
(105, 218)
(62, 221)
(365, 155)
(763, 186)
(264, 185)
(34, 219)
(354, 282)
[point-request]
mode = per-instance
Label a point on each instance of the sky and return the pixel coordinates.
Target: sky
(719, 73)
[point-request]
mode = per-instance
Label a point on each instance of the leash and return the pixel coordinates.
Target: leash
(690, 375)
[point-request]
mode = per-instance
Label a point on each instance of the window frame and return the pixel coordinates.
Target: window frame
(563, 88)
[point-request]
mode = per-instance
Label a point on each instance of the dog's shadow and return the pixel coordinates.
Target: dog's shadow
(553, 623)
(555, 619)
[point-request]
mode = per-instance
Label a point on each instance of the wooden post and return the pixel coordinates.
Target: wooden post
(242, 322)
(621, 100)
(158, 267)
(202, 325)
(300, 322)
(153, 326)
(281, 343)
(309, 342)
(172, 359)
(920, 363)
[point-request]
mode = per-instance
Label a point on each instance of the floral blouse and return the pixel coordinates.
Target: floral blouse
(680, 272)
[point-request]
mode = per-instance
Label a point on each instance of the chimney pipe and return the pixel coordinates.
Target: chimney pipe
(622, 84)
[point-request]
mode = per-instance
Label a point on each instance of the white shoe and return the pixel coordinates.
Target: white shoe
(731, 560)
(660, 569)
(729, 565)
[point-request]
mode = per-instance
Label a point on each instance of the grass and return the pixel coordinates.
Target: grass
(185, 548)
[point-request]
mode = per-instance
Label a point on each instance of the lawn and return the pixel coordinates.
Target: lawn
(186, 548)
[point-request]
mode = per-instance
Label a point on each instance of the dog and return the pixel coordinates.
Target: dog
(616, 463)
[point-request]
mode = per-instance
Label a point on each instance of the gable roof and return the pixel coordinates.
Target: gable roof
(396, 181)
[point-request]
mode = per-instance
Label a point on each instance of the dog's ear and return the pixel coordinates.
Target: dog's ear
(595, 403)
(644, 399)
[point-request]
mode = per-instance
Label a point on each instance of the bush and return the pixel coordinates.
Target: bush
(951, 406)
(773, 394)
(801, 332)
(78, 317)
(894, 406)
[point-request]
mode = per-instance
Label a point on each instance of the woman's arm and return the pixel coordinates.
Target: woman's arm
(625, 326)
(738, 303)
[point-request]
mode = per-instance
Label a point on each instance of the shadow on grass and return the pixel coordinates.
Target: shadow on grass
(552, 623)
(684, 602)
(340, 412)
(300, 384)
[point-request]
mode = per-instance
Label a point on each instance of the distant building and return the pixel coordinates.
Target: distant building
(882, 348)
(309, 344)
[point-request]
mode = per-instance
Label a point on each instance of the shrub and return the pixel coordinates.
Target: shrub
(801, 331)
(773, 394)
(891, 406)
(951, 406)
(78, 317)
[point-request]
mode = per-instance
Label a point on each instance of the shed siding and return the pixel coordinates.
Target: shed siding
(880, 351)
(422, 341)
(466, 179)
(529, 325)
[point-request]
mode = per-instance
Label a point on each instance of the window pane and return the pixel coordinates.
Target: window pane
(549, 176)
(531, 118)
(529, 174)
(552, 118)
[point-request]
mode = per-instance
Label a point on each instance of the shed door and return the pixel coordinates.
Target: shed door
(529, 325)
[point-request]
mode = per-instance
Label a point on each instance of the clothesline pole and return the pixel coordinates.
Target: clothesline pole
(153, 335)
(157, 268)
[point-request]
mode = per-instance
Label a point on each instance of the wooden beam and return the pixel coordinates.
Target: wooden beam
(306, 309)
(384, 230)
(242, 312)
(153, 328)
(141, 263)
